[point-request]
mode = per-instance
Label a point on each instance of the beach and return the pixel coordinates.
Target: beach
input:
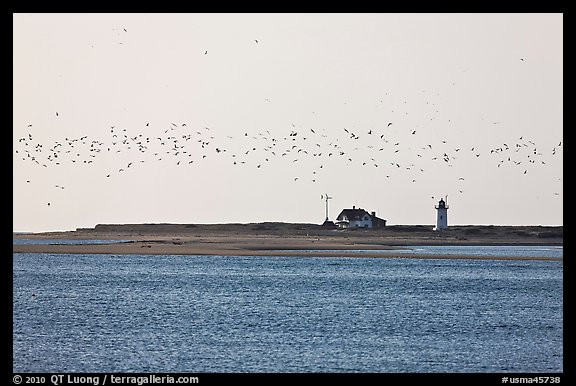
(285, 239)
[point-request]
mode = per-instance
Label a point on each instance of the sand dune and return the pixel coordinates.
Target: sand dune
(284, 239)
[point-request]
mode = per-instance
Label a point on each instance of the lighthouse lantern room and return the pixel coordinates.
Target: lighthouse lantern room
(441, 215)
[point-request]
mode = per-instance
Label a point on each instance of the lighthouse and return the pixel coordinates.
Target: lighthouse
(441, 215)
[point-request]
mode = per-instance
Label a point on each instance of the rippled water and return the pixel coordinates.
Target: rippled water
(124, 313)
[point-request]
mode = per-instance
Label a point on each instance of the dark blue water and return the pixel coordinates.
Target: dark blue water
(125, 313)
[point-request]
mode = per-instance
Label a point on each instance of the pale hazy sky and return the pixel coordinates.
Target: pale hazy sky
(217, 118)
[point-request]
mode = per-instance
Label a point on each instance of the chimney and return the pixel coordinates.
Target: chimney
(373, 214)
(353, 207)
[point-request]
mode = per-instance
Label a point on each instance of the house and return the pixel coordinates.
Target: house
(359, 218)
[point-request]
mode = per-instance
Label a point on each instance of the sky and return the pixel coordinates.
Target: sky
(246, 118)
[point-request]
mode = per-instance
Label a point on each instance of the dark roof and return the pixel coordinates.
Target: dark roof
(352, 214)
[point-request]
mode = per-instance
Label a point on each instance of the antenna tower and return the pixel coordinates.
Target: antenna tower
(326, 197)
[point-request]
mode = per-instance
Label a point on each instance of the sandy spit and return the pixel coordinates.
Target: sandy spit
(287, 239)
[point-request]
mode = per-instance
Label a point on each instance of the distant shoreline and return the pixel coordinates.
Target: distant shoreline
(285, 239)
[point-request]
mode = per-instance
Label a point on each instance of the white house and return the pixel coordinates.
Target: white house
(359, 218)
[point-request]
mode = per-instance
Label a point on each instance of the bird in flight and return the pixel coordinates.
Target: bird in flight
(205, 52)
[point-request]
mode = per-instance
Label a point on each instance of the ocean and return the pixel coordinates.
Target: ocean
(215, 314)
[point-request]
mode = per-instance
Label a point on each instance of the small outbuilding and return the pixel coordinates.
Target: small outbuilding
(359, 218)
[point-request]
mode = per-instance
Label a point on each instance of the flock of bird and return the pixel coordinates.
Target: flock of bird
(380, 149)
(392, 150)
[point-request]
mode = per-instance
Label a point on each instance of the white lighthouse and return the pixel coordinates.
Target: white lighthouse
(441, 215)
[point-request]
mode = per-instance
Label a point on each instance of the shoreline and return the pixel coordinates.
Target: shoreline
(272, 253)
(278, 239)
